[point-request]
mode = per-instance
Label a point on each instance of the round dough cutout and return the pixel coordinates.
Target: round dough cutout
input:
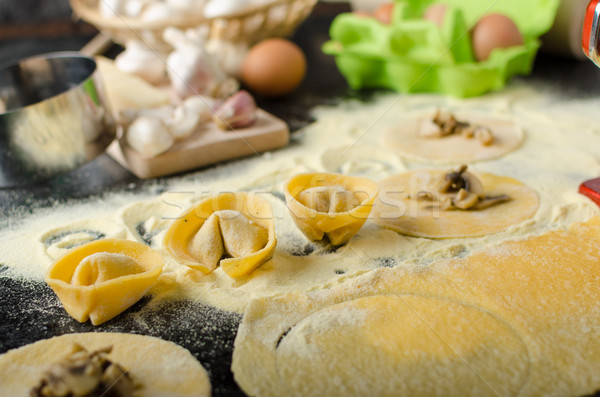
(453, 149)
(162, 368)
(394, 209)
(396, 345)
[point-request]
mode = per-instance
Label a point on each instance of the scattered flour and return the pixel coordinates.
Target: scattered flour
(559, 152)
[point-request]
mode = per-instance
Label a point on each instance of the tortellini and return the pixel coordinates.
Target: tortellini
(232, 230)
(329, 205)
(101, 279)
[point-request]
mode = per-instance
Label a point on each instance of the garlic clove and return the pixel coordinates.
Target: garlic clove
(142, 61)
(237, 111)
(149, 136)
(203, 106)
(128, 116)
(182, 122)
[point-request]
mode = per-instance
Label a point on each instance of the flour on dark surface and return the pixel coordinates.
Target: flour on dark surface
(30, 311)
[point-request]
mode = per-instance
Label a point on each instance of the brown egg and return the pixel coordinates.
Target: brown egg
(274, 67)
(384, 13)
(494, 31)
(435, 13)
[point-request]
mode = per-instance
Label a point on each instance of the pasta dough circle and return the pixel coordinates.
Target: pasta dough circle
(161, 367)
(453, 149)
(389, 345)
(59, 241)
(396, 211)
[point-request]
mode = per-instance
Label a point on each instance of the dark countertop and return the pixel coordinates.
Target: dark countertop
(40, 314)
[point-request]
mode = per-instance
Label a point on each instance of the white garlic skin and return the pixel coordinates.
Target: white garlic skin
(219, 8)
(142, 61)
(187, 74)
(149, 136)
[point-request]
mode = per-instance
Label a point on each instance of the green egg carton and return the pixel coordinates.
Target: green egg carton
(415, 55)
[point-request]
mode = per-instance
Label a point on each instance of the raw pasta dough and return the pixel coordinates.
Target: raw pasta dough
(101, 279)
(453, 149)
(519, 318)
(162, 368)
(240, 224)
(332, 205)
(396, 211)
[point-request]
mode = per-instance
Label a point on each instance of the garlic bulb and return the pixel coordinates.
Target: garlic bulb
(142, 61)
(230, 55)
(237, 111)
(148, 135)
(187, 6)
(158, 11)
(111, 8)
(191, 69)
(134, 8)
(219, 8)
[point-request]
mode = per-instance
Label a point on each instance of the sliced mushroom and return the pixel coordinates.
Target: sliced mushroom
(460, 189)
(484, 135)
(472, 184)
(446, 121)
(85, 374)
(445, 124)
(487, 202)
(465, 200)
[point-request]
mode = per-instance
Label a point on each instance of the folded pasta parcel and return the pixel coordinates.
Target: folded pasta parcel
(232, 230)
(101, 279)
(331, 205)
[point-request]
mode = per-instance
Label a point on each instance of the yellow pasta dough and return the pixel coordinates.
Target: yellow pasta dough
(238, 224)
(99, 280)
(391, 343)
(159, 367)
(407, 139)
(397, 209)
(331, 205)
(520, 318)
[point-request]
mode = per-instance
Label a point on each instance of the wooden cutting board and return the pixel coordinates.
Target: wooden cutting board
(208, 145)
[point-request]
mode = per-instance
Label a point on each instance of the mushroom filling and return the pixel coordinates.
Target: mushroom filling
(85, 374)
(445, 124)
(460, 190)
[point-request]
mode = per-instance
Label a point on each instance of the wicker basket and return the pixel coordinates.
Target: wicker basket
(276, 19)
